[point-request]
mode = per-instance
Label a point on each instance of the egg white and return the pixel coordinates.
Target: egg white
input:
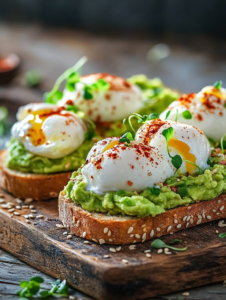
(64, 134)
(117, 103)
(130, 170)
(211, 120)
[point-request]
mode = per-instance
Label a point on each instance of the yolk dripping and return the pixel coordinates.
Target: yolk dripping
(184, 151)
(111, 145)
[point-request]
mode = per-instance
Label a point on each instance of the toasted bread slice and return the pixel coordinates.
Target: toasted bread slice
(35, 186)
(103, 228)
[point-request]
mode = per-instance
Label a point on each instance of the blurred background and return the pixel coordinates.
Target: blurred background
(181, 42)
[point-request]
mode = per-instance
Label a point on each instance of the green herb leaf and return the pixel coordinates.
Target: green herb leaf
(222, 235)
(175, 241)
(72, 108)
(103, 85)
(62, 289)
(168, 133)
(87, 93)
(167, 114)
(176, 118)
(24, 284)
(73, 78)
(153, 116)
(124, 121)
(45, 294)
(186, 115)
(155, 191)
(126, 138)
(143, 119)
(37, 279)
(177, 161)
(182, 191)
(70, 86)
(54, 98)
(217, 84)
(160, 244)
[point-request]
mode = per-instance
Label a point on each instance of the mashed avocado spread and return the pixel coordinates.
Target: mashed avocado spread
(24, 161)
(175, 191)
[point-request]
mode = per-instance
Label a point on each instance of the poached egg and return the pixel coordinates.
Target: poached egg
(118, 102)
(112, 166)
(48, 130)
(208, 109)
(187, 141)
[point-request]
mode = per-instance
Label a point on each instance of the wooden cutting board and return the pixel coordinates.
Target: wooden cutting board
(41, 244)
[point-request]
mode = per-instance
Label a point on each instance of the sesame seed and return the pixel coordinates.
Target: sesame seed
(57, 225)
(105, 230)
(214, 210)
(189, 207)
(189, 217)
(40, 217)
(191, 221)
(179, 226)
(118, 248)
(137, 236)
(110, 240)
(199, 217)
(217, 213)
(33, 211)
(28, 221)
(144, 236)
(203, 215)
(86, 242)
(125, 261)
(221, 223)
(4, 206)
(106, 256)
(143, 226)
(222, 207)
(175, 221)
(84, 234)
(32, 217)
(146, 251)
(2, 201)
(184, 218)
(18, 200)
(199, 221)
(95, 240)
(169, 228)
(185, 294)
(28, 201)
(132, 235)
(77, 224)
(152, 233)
(217, 231)
(18, 207)
(158, 229)
(109, 233)
(65, 233)
(112, 249)
(168, 252)
(130, 229)
(16, 213)
(219, 201)
(24, 206)
(26, 216)
(159, 251)
(148, 255)
(136, 241)
(11, 210)
(132, 247)
(209, 217)
(69, 236)
(187, 224)
(72, 298)
(101, 241)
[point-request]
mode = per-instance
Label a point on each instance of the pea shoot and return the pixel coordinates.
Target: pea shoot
(218, 85)
(157, 244)
(126, 138)
(167, 114)
(222, 143)
(186, 115)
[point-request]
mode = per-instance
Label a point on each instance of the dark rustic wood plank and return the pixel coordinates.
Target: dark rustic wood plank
(45, 247)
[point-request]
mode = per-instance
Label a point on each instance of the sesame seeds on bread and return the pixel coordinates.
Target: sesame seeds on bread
(27, 185)
(103, 228)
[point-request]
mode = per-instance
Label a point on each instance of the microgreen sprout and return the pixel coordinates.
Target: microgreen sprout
(222, 143)
(175, 241)
(222, 235)
(160, 244)
(167, 114)
(176, 160)
(218, 85)
(177, 114)
(141, 119)
(186, 115)
(100, 85)
(126, 138)
(71, 74)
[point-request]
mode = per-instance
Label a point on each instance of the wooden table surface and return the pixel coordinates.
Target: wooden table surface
(193, 63)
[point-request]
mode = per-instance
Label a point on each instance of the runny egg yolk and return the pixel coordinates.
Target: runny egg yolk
(184, 150)
(111, 145)
(213, 91)
(35, 132)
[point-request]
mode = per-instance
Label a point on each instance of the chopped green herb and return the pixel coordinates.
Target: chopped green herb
(72, 108)
(182, 191)
(222, 235)
(103, 85)
(175, 241)
(155, 191)
(126, 138)
(186, 115)
(167, 114)
(160, 244)
(87, 93)
(143, 119)
(153, 116)
(217, 84)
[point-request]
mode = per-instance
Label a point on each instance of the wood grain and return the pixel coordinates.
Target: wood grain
(43, 245)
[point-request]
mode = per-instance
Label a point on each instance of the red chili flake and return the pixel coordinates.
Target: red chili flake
(173, 189)
(151, 129)
(221, 113)
(87, 161)
(186, 99)
(199, 117)
(107, 96)
(164, 184)
(187, 174)
(69, 102)
(132, 167)
(98, 163)
(91, 176)
(130, 183)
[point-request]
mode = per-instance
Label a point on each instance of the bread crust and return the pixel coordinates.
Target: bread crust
(28, 185)
(127, 230)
